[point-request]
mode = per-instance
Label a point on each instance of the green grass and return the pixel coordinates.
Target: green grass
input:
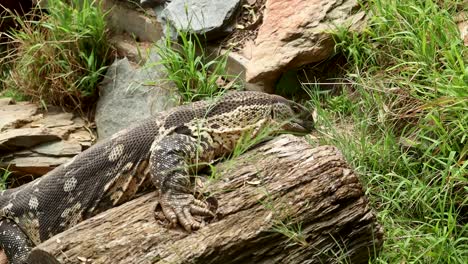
(403, 125)
(59, 59)
(195, 74)
(4, 175)
(251, 138)
(14, 94)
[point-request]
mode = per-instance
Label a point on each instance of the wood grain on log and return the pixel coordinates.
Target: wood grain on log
(282, 202)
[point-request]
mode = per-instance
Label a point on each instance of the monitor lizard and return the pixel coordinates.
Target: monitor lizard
(158, 150)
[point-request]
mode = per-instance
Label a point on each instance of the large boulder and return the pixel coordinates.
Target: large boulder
(294, 33)
(130, 93)
(210, 18)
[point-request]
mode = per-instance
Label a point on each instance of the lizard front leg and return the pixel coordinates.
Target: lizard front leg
(170, 163)
(14, 242)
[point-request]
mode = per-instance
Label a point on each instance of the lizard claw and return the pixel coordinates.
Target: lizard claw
(181, 208)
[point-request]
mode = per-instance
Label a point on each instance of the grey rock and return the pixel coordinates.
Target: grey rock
(33, 165)
(59, 148)
(130, 94)
(35, 142)
(54, 119)
(210, 18)
(12, 115)
(16, 139)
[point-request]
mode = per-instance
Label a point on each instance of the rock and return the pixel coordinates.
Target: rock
(59, 148)
(294, 33)
(33, 142)
(123, 17)
(210, 18)
(128, 95)
(54, 120)
(13, 115)
(34, 165)
(84, 137)
(462, 22)
(6, 101)
(15, 139)
(58, 123)
(126, 46)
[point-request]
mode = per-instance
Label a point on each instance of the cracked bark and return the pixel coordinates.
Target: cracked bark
(282, 202)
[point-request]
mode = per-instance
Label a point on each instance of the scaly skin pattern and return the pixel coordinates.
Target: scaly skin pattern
(161, 150)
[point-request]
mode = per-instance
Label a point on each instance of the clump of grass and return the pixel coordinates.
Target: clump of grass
(403, 125)
(195, 73)
(14, 94)
(4, 175)
(251, 138)
(60, 58)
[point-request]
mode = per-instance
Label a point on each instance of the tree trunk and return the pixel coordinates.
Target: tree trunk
(282, 202)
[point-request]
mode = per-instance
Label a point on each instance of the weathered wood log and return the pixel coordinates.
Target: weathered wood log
(282, 202)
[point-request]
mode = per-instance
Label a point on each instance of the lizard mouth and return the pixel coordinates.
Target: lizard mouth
(299, 126)
(303, 120)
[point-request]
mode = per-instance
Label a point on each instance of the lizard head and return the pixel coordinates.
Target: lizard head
(292, 116)
(237, 111)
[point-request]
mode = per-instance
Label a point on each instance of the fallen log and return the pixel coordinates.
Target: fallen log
(282, 202)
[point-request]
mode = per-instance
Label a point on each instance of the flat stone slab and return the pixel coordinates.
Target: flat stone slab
(52, 120)
(33, 142)
(34, 165)
(12, 115)
(16, 139)
(59, 148)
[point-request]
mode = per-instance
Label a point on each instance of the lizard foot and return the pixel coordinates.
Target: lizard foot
(185, 209)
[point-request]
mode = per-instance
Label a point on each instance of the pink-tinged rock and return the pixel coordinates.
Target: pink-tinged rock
(462, 22)
(294, 33)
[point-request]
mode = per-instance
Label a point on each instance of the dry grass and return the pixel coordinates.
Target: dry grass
(59, 58)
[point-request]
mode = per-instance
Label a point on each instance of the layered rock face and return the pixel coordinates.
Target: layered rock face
(33, 142)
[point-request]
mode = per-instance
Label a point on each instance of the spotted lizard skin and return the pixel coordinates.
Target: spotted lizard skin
(159, 150)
